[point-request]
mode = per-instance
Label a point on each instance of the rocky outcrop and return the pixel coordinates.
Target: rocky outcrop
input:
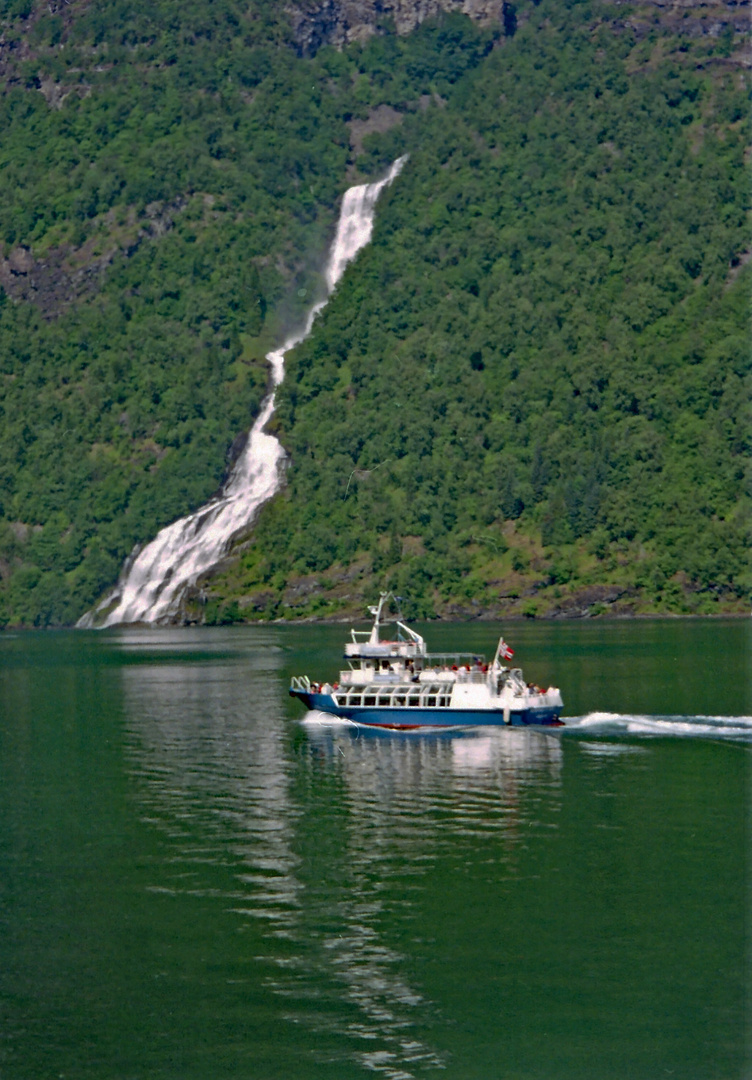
(65, 274)
(338, 22)
(691, 18)
(380, 119)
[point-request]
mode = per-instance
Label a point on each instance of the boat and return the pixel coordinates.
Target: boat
(396, 683)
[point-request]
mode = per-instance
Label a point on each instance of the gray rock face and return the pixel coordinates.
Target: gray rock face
(338, 22)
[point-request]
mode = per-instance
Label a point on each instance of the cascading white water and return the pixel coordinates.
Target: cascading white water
(152, 585)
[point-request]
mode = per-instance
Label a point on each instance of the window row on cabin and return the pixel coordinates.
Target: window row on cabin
(428, 696)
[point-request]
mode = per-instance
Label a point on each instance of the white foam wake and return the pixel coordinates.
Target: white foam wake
(735, 728)
(153, 582)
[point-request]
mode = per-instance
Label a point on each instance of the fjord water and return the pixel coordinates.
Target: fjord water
(194, 883)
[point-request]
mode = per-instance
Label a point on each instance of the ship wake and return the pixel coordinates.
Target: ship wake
(608, 724)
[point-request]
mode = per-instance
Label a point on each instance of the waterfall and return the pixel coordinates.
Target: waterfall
(153, 581)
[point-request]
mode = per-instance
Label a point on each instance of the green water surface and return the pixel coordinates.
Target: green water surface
(195, 884)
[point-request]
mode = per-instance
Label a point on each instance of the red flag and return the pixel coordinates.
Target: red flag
(505, 651)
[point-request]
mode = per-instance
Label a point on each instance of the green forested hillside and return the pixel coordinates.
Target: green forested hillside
(528, 393)
(179, 186)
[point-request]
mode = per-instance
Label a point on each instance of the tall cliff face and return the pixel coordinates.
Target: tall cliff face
(338, 22)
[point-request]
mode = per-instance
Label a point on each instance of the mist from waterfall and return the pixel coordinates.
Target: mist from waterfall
(153, 582)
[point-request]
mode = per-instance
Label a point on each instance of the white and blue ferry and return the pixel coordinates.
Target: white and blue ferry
(397, 683)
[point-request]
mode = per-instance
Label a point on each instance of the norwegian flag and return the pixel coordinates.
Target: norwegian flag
(505, 651)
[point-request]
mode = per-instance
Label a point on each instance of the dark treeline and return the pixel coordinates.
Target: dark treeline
(531, 383)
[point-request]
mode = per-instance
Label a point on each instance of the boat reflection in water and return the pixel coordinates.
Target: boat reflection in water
(406, 801)
(483, 782)
(417, 763)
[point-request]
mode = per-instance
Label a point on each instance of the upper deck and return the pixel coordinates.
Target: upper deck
(378, 650)
(367, 644)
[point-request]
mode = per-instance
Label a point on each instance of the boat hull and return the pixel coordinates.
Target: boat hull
(417, 717)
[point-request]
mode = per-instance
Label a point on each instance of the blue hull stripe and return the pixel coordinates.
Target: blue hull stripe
(418, 717)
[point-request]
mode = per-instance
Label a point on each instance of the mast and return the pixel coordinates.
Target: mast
(376, 612)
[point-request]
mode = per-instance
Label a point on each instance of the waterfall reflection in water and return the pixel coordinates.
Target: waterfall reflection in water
(320, 843)
(206, 740)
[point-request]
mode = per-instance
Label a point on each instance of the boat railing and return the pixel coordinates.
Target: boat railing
(301, 683)
(464, 676)
(454, 660)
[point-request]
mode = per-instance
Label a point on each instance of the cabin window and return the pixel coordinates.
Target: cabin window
(431, 702)
(443, 702)
(355, 699)
(384, 699)
(398, 699)
(369, 699)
